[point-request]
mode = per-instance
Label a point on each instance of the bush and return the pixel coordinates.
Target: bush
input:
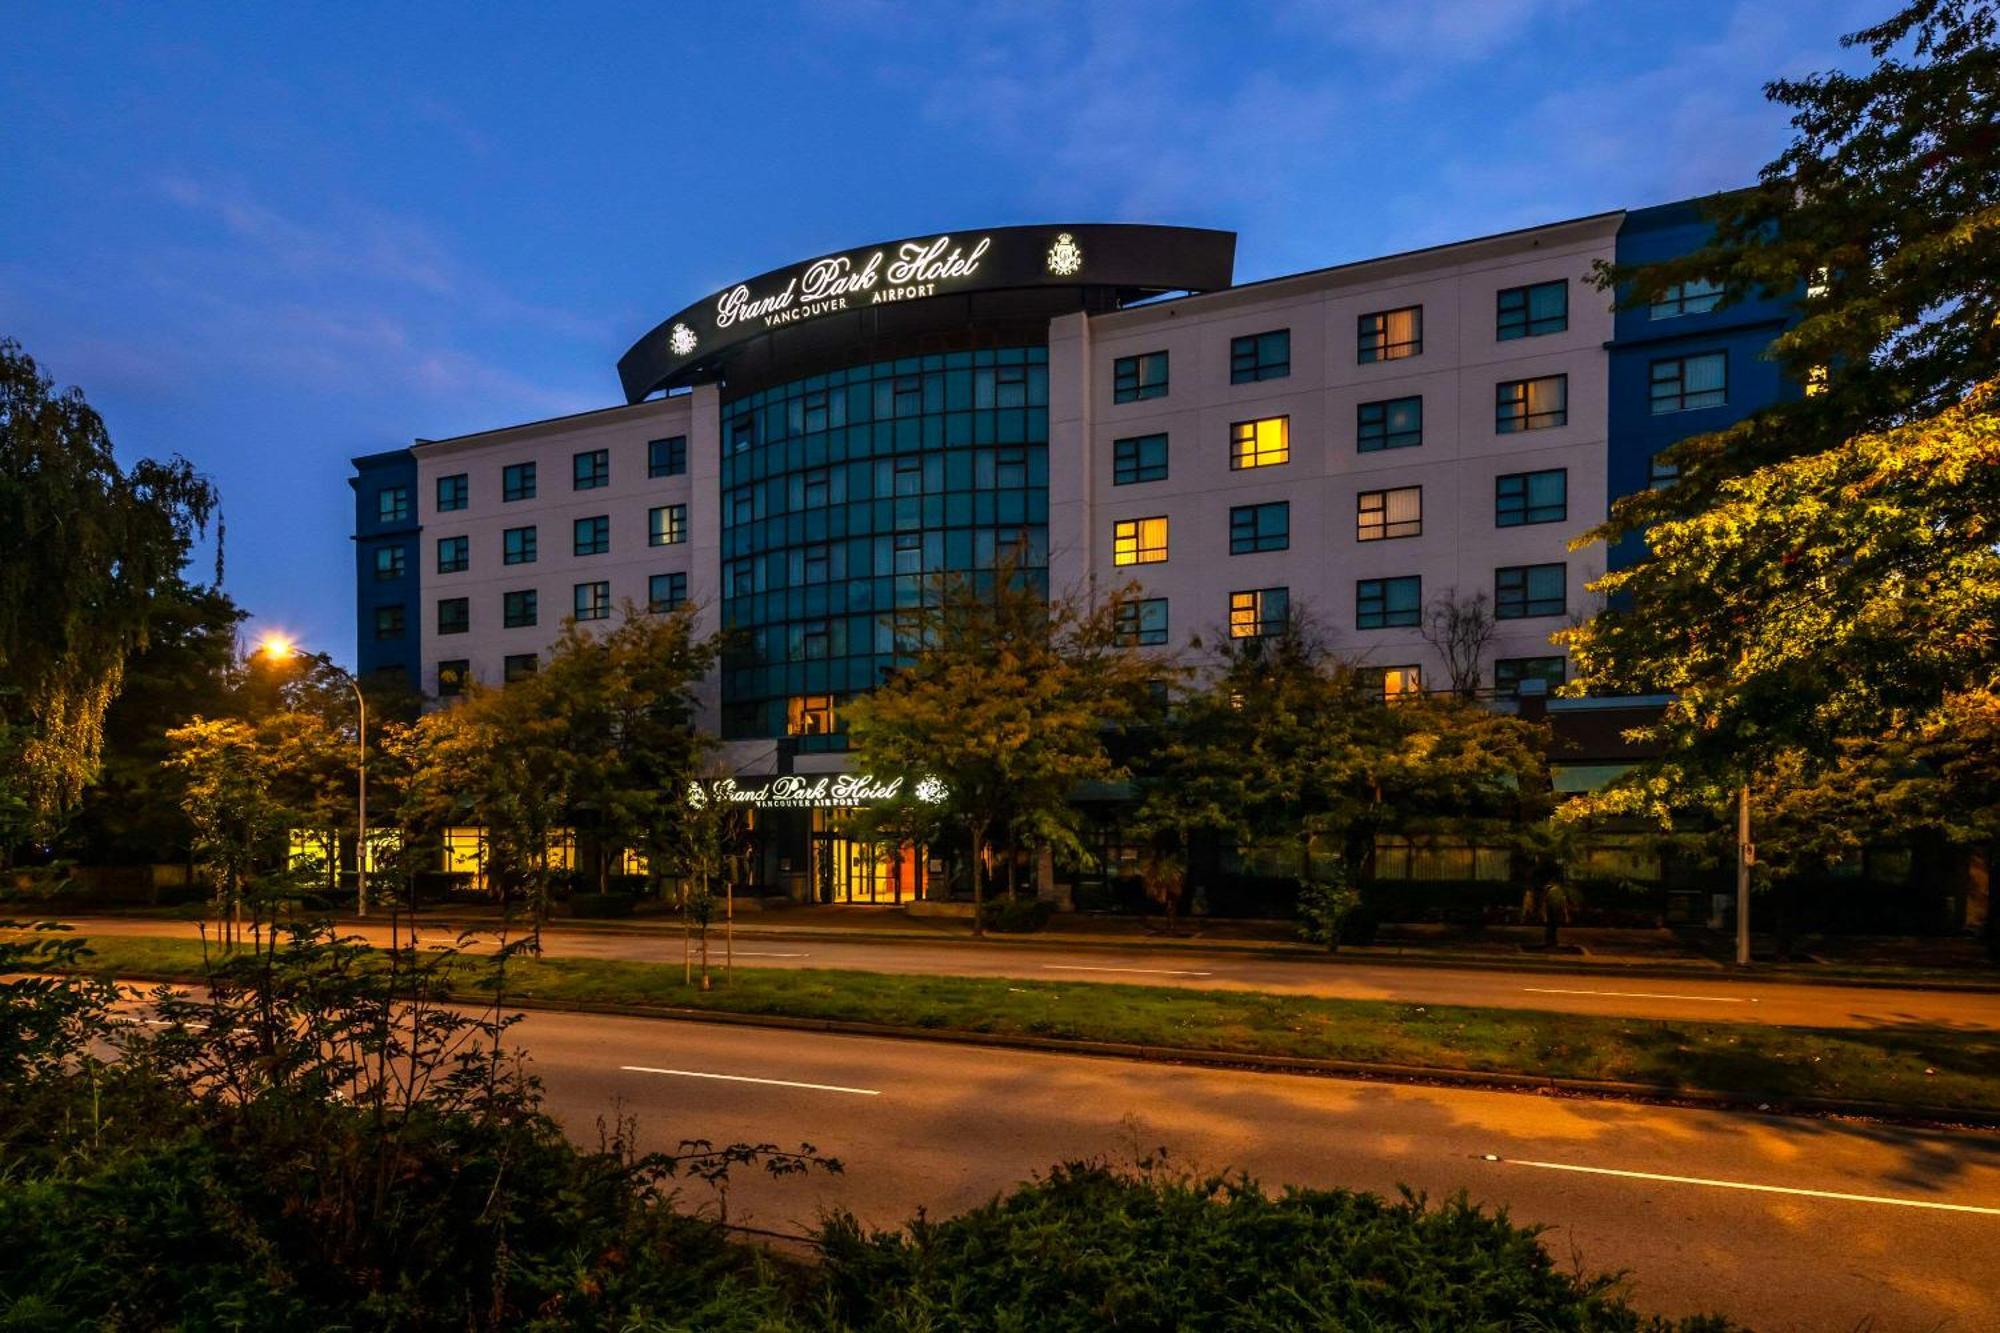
(1093, 1248)
(1022, 916)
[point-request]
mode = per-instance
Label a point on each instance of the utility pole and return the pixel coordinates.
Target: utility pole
(1746, 856)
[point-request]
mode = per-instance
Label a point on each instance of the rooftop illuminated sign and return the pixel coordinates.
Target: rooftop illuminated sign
(1130, 261)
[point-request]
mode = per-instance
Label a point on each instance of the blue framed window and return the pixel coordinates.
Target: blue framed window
(1259, 613)
(666, 592)
(1509, 672)
(668, 457)
(391, 562)
(1265, 527)
(392, 504)
(454, 554)
(1389, 335)
(519, 609)
(1523, 592)
(517, 482)
(1535, 404)
(1684, 383)
(592, 536)
(453, 492)
(517, 546)
(519, 666)
(1530, 312)
(1521, 498)
(590, 470)
(1143, 622)
(1697, 296)
(1139, 458)
(1391, 423)
(667, 525)
(1388, 603)
(1260, 356)
(454, 615)
(452, 674)
(1137, 377)
(593, 601)
(390, 622)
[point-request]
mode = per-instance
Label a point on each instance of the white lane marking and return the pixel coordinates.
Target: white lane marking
(1149, 971)
(1637, 995)
(744, 1078)
(1760, 1189)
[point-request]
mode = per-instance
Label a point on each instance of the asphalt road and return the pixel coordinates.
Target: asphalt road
(1781, 1223)
(1719, 998)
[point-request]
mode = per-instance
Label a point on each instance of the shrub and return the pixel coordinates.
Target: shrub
(1022, 916)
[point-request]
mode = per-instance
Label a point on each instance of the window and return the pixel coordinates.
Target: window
(1661, 474)
(1139, 541)
(815, 640)
(1140, 458)
(1265, 527)
(666, 592)
(454, 492)
(519, 666)
(391, 562)
(517, 482)
(454, 555)
(1524, 591)
(1143, 622)
(593, 601)
(1400, 680)
(1390, 335)
(392, 504)
(1259, 612)
(590, 470)
(1529, 312)
(1684, 383)
(1010, 469)
(517, 546)
(1264, 443)
(454, 615)
(909, 552)
(1535, 404)
(1260, 356)
(667, 525)
(1521, 498)
(1137, 377)
(1696, 297)
(1509, 672)
(519, 609)
(592, 536)
(809, 715)
(1382, 515)
(452, 675)
(1393, 423)
(668, 457)
(389, 622)
(1388, 603)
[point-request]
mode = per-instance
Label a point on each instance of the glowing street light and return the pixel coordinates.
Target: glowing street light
(278, 648)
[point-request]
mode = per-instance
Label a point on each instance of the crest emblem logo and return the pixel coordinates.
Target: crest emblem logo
(1065, 256)
(680, 340)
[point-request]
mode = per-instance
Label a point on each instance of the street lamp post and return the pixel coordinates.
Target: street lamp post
(278, 650)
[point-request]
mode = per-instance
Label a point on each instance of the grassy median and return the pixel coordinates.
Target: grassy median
(1909, 1065)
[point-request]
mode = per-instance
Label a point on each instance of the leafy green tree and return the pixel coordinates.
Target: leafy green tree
(239, 822)
(86, 547)
(1007, 699)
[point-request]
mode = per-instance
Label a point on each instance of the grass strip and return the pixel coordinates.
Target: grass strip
(1913, 1065)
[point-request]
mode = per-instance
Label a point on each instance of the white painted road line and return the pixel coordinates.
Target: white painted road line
(1760, 1189)
(744, 1078)
(1638, 995)
(1149, 971)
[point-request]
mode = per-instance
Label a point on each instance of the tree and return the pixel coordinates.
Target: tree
(239, 824)
(1460, 628)
(1006, 699)
(85, 548)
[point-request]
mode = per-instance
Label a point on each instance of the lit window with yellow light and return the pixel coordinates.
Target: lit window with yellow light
(1258, 612)
(1263, 443)
(809, 715)
(1401, 680)
(1139, 541)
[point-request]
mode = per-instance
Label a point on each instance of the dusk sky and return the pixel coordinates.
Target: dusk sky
(271, 239)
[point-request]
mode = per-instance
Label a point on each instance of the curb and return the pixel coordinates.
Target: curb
(1913, 1115)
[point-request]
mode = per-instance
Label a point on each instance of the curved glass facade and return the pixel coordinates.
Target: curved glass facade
(840, 493)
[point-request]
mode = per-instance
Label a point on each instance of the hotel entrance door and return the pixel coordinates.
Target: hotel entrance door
(848, 870)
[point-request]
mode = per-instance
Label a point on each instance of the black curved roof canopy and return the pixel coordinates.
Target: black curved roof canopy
(923, 293)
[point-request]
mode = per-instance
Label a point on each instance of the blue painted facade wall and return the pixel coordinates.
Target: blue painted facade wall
(1744, 330)
(373, 474)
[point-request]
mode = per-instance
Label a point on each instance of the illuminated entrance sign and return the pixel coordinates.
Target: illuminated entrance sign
(808, 791)
(1120, 262)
